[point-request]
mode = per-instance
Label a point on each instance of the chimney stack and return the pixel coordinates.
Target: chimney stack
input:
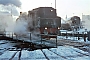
(20, 13)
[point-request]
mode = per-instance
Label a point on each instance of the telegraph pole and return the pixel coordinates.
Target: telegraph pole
(55, 4)
(55, 7)
(11, 10)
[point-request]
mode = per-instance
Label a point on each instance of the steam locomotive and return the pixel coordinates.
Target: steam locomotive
(45, 20)
(75, 22)
(72, 23)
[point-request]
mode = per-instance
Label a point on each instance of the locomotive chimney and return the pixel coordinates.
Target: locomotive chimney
(20, 13)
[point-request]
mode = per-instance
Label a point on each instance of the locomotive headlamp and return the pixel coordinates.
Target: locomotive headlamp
(58, 27)
(45, 27)
(51, 10)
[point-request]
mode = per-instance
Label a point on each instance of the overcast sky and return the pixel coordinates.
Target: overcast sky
(64, 7)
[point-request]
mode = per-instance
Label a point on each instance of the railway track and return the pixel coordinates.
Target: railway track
(48, 54)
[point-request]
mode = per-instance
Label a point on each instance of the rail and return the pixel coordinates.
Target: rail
(48, 40)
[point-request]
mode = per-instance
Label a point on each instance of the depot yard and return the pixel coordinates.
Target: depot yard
(66, 49)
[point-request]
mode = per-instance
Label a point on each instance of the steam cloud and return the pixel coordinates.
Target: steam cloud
(23, 25)
(11, 10)
(17, 3)
(5, 23)
(10, 6)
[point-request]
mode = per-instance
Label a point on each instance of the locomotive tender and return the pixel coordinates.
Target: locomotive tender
(45, 20)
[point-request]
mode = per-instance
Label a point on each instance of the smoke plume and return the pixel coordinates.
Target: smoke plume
(10, 6)
(16, 3)
(6, 23)
(10, 9)
(23, 25)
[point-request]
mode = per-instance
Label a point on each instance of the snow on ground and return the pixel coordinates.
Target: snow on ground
(6, 44)
(81, 31)
(37, 54)
(73, 39)
(7, 54)
(70, 53)
(51, 55)
(59, 53)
